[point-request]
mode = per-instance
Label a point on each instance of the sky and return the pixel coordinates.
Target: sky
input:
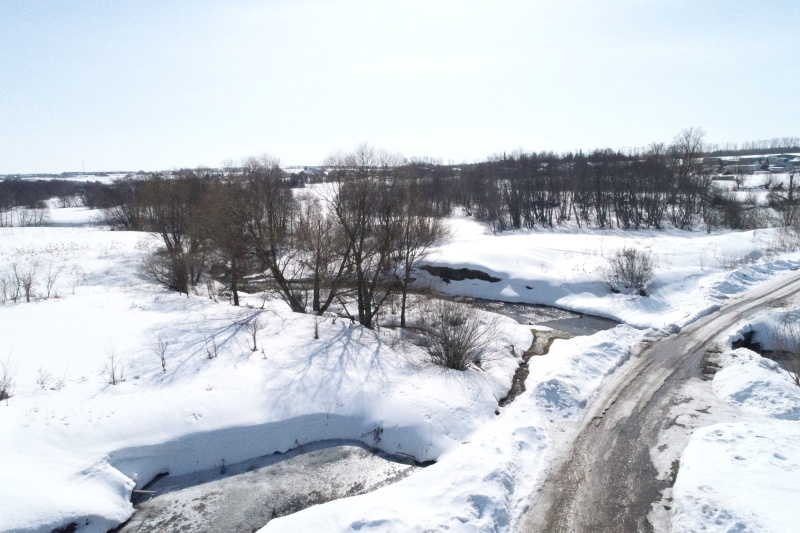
(153, 85)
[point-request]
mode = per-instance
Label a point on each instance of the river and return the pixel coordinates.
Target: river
(243, 497)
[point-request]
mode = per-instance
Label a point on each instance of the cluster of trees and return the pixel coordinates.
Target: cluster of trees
(660, 185)
(761, 147)
(20, 193)
(361, 235)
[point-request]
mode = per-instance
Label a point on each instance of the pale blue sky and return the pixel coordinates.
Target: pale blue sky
(128, 85)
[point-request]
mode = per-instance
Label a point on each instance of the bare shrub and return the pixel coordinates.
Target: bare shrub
(631, 269)
(113, 368)
(79, 277)
(159, 348)
(44, 378)
(457, 336)
(59, 383)
(25, 277)
(50, 278)
(789, 216)
(253, 326)
(789, 346)
(7, 374)
(212, 349)
(9, 287)
(159, 266)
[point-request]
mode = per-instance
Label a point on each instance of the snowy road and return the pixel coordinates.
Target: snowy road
(606, 481)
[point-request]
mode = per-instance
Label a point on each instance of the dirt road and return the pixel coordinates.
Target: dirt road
(606, 480)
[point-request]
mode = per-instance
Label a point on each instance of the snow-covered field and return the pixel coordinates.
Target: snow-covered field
(76, 445)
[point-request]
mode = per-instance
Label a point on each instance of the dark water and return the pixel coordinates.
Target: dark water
(541, 315)
(243, 497)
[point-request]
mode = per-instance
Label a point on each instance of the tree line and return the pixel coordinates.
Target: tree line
(357, 235)
(357, 238)
(647, 188)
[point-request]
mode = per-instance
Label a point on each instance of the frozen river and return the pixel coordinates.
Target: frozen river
(243, 497)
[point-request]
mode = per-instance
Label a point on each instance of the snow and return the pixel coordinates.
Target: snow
(740, 476)
(79, 447)
(82, 447)
(695, 271)
(485, 484)
(102, 177)
(757, 385)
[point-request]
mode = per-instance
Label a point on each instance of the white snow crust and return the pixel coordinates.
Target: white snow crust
(742, 475)
(76, 447)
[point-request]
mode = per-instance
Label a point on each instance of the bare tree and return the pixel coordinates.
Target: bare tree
(159, 349)
(326, 252)
(51, 276)
(366, 211)
(10, 288)
(691, 177)
(417, 232)
(224, 225)
(171, 213)
(270, 213)
(25, 277)
(113, 368)
(253, 326)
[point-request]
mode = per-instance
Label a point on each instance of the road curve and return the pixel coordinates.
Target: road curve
(606, 481)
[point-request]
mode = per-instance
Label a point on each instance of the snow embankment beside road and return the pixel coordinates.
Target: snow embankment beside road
(743, 476)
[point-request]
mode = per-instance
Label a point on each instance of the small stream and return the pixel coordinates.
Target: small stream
(563, 325)
(243, 497)
(575, 324)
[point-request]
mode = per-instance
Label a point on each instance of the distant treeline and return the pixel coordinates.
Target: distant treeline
(362, 230)
(644, 188)
(777, 145)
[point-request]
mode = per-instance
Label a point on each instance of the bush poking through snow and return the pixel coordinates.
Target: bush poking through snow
(630, 268)
(51, 276)
(44, 378)
(6, 380)
(253, 326)
(159, 348)
(113, 368)
(457, 336)
(789, 346)
(212, 348)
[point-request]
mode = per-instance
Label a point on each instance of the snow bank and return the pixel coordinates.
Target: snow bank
(741, 476)
(486, 483)
(757, 385)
